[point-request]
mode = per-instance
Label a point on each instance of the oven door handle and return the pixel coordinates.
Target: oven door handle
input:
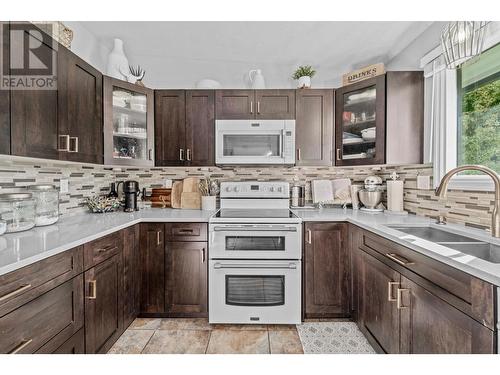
(254, 228)
(254, 265)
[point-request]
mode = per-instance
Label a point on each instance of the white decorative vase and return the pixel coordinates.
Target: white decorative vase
(304, 82)
(256, 79)
(117, 62)
(208, 203)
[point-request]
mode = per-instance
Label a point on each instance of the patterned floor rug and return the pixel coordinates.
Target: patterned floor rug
(333, 338)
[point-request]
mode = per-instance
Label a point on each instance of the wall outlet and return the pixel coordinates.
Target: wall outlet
(168, 183)
(423, 182)
(64, 185)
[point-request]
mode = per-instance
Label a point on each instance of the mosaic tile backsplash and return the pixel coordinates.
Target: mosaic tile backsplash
(472, 208)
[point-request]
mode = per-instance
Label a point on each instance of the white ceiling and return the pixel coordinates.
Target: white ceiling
(177, 54)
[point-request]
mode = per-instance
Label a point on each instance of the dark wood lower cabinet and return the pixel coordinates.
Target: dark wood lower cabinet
(103, 305)
(46, 322)
(131, 275)
(326, 270)
(186, 279)
(400, 311)
(152, 260)
(378, 315)
(429, 325)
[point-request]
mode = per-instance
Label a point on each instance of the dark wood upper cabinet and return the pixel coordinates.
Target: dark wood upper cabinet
(314, 127)
(235, 104)
(34, 113)
(378, 312)
(200, 127)
(103, 305)
(5, 94)
(186, 279)
(326, 270)
(131, 274)
(80, 109)
(152, 268)
(429, 325)
(275, 104)
(170, 127)
(255, 104)
(392, 104)
(359, 107)
(128, 124)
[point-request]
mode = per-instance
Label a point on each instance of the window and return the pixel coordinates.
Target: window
(478, 133)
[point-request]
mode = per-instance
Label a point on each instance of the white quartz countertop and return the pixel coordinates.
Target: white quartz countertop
(21, 249)
(379, 223)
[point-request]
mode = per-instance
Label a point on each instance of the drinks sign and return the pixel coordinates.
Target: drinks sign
(362, 74)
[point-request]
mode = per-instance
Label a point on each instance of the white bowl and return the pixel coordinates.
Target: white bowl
(369, 134)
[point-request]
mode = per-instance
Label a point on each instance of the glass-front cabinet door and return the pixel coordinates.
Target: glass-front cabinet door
(360, 123)
(128, 124)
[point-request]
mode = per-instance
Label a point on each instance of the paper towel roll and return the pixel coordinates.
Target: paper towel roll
(395, 196)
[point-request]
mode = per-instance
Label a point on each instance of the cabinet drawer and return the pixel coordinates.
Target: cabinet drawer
(74, 345)
(468, 293)
(54, 316)
(101, 249)
(23, 285)
(186, 232)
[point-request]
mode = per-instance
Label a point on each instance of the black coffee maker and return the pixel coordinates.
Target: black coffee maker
(130, 191)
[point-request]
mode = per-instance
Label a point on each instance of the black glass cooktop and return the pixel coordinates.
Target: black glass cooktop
(255, 213)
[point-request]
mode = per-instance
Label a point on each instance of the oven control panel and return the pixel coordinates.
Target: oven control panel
(255, 189)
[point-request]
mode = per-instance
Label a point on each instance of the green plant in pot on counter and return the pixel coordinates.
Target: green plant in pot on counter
(303, 74)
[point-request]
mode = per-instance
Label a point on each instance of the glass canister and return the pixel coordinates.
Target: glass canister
(18, 211)
(46, 204)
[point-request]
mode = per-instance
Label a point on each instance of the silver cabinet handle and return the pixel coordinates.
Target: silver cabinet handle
(298, 154)
(309, 236)
(258, 107)
(21, 289)
(203, 255)
(390, 297)
(251, 107)
(188, 154)
(338, 154)
(66, 142)
(92, 289)
(150, 154)
(21, 346)
(399, 259)
(158, 238)
(399, 297)
(75, 142)
(181, 154)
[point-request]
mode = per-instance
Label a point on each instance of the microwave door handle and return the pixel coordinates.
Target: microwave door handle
(282, 141)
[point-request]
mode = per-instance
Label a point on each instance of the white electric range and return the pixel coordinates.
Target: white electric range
(255, 256)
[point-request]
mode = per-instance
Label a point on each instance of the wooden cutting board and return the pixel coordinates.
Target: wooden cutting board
(191, 200)
(190, 185)
(176, 194)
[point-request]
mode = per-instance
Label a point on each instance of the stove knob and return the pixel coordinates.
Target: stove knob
(228, 189)
(271, 189)
(280, 189)
(236, 189)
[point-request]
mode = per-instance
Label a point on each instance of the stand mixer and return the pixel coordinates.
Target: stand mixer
(371, 195)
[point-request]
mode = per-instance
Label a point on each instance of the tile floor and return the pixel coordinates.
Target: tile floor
(196, 336)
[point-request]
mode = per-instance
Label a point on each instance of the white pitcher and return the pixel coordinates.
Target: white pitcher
(256, 79)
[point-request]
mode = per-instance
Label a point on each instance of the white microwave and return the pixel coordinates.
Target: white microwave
(255, 142)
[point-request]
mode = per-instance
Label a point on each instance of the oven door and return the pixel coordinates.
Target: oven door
(258, 292)
(255, 241)
(254, 142)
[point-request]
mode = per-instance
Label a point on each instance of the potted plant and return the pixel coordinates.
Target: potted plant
(209, 189)
(304, 74)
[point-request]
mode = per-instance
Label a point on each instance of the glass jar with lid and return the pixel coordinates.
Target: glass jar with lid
(46, 204)
(18, 211)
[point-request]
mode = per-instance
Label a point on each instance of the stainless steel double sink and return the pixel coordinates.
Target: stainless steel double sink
(480, 249)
